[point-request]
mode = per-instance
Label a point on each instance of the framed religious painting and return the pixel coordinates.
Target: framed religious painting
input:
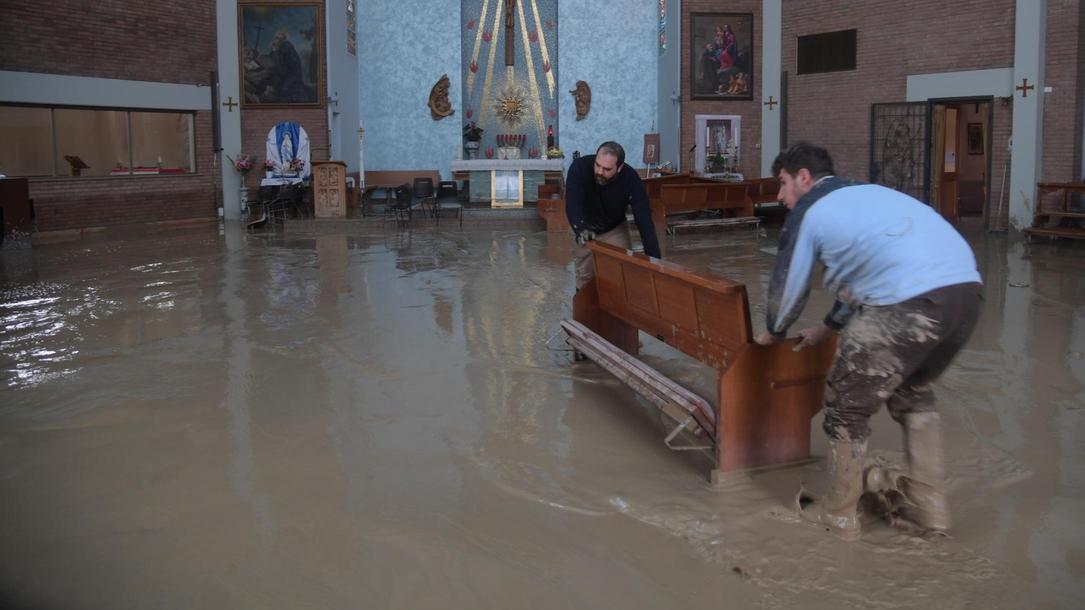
(975, 138)
(721, 56)
(282, 57)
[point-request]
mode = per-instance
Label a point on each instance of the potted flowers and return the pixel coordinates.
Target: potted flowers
(243, 163)
(269, 167)
(472, 134)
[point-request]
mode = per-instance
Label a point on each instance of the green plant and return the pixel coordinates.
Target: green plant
(472, 132)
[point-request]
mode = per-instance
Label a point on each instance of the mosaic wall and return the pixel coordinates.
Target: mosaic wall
(510, 72)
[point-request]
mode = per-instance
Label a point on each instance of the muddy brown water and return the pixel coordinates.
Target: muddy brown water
(354, 416)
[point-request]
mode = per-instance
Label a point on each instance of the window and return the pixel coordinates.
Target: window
(830, 52)
(27, 134)
(94, 142)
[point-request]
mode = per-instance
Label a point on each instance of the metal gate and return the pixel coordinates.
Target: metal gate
(900, 147)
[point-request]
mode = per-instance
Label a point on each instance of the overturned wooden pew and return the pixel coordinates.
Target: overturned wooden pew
(766, 395)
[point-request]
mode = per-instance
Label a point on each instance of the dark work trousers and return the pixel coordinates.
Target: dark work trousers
(891, 355)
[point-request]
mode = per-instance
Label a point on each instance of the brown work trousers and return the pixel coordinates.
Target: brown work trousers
(582, 258)
(891, 355)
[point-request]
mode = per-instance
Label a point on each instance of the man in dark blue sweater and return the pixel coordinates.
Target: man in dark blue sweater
(598, 190)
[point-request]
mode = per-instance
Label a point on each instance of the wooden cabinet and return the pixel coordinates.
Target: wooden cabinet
(330, 189)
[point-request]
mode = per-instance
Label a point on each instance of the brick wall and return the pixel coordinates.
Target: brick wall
(257, 122)
(833, 109)
(169, 42)
(749, 110)
(1063, 107)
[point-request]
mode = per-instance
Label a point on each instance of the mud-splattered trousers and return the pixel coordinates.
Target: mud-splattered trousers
(891, 355)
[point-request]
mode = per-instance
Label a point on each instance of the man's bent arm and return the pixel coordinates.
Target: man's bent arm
(574, 199)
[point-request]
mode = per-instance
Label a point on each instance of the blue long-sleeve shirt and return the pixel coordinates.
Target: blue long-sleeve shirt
(602, 207)
(879, 247)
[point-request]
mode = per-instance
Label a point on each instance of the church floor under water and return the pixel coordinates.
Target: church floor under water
(355, 416)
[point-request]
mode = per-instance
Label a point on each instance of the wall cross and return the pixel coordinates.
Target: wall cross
(1024, 87)
(510, 57)
(771, 103)
(229, 103)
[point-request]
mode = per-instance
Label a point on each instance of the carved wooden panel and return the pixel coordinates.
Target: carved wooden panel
(329, 189)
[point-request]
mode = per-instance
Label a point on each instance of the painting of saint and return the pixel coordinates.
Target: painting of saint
(723, 65)
(281, 54)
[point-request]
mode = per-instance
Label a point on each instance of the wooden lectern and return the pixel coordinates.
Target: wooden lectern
(330, 189)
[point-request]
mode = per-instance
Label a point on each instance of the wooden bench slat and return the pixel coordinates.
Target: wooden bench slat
(645, 380)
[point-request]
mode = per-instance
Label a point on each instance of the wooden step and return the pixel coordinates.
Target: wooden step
(689, 410)
(674, 225)
(1061, 214)
(1067, 232)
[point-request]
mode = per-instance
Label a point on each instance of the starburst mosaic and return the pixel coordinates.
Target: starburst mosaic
(510, 105)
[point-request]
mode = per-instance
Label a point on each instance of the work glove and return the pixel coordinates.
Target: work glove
(585, 236)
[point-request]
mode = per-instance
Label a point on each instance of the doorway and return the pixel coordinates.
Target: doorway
(960, 153)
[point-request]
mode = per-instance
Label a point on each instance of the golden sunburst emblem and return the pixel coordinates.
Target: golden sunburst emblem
(510, 105)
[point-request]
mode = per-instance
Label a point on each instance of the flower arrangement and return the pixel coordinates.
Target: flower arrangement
(472, 132)
(296, 164)
(716, 161)
(269, 165)
(243, 163)
(555, 153)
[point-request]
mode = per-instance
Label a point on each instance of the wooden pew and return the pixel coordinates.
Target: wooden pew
(551, 208)
(763, 190)
(766, 395)
(1053, 215)
(685, 193)
(387, 180)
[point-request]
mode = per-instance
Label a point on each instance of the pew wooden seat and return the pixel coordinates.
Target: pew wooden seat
(766, 395)
(1054, 216)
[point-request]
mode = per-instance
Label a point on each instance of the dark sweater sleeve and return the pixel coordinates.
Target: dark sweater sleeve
(642, 214)
(575, 194)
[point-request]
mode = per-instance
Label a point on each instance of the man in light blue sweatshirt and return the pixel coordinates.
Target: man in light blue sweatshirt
(907, 298)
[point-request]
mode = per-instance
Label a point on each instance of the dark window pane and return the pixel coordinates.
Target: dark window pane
(830, 52)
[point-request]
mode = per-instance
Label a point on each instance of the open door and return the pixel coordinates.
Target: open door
(945, 148)
(960, 140)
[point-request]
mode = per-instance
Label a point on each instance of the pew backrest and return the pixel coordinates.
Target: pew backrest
(707, 318)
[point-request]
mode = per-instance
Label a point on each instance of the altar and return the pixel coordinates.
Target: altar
(507, 182)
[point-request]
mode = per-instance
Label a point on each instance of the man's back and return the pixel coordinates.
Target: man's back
(885, 246)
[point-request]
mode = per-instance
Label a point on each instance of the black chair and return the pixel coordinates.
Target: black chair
(423, 194)
(401, 207)
(448, 199)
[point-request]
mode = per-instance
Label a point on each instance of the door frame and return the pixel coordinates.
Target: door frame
(956, 101)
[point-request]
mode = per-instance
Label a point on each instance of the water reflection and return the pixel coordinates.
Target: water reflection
(382, 403)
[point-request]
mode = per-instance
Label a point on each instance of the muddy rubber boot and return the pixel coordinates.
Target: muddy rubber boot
(925, 486)
(839, 509)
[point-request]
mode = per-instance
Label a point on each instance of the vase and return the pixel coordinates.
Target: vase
(244, 198)
(268, 175)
